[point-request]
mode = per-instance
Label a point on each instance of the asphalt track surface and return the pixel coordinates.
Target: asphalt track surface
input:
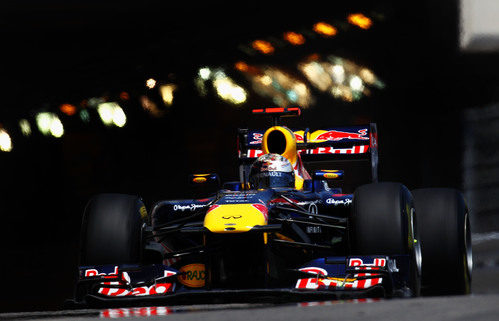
(483, 304)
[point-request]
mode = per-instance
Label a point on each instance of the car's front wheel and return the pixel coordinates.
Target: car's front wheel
(383, 221)
(112, 230)
(444, 226)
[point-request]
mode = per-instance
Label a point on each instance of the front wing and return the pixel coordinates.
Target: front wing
(321, 279)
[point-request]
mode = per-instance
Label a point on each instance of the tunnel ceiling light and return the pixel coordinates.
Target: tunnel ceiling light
(49, 124)
(25, 127)
(338, 73)
(84, 115)
(294, 38)
(263, 46)
(68, 109)
(124, 95)
(5, 141)
(151, 83)
(204, 73)
(228, 90)
(356, 83)
(325, 29)
(112, 114)
(241, 66)
(340, 77)
(166, 92)
(279, 86)
(359, 20)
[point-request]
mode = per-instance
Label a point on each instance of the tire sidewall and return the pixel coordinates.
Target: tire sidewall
(112, 230)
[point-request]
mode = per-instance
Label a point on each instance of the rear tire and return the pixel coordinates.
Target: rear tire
(382, 222)
(444, 226)
(112, 230)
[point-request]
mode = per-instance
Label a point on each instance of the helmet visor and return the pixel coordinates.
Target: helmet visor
(273, 179)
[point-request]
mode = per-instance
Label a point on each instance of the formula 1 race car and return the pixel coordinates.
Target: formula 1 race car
(307, 220)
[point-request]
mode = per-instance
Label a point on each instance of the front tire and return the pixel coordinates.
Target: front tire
(112, 230)
(382, 222)
(444, 226)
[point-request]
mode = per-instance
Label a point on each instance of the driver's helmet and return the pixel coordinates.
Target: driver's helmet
(271, 170)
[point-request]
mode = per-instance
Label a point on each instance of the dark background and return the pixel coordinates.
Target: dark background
(67, 51)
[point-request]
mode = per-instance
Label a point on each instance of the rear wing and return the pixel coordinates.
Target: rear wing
(353, 149)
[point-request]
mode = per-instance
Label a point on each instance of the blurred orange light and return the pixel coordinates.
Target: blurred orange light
(313, 56)
(263, 46)
(124, 95)
(325, 29)
(244, 67)
(360, 20)
(68, 109)
(241, 66)
(294, 38)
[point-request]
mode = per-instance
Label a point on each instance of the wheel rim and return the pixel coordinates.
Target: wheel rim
(417, 245)
(468, 252)
(416, 267)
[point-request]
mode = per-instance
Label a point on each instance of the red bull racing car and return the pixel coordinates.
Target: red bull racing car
(307, 219)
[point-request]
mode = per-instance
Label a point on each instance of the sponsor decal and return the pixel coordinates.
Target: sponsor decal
(336, 202)
(377, 262)
(271, 174)
(237, 197)
(155, 289)
(257, 138)
(314, 229)
(357, 149)
(93, 272)
(187, 207)
(336, 135)
(311, 283)
(192, 275)
(323, 282)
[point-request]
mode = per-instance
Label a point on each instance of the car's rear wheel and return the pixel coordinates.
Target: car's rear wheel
(444, 226)
(112, 230)
(382, 222)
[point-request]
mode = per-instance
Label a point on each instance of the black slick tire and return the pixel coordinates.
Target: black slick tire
(445, 233)
(382, 222)
(112, 230)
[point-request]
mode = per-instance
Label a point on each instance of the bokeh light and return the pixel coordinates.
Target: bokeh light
(360, 20)
(325, 29)
(263, 46)
(5, 141)
(166, 92)
(49, 123)
(68, 109)
(151, 83)
(294, 38)
(25, 127)
(111, 114)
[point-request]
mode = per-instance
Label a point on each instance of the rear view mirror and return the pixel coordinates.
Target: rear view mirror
(204, 179)
(328, 174)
